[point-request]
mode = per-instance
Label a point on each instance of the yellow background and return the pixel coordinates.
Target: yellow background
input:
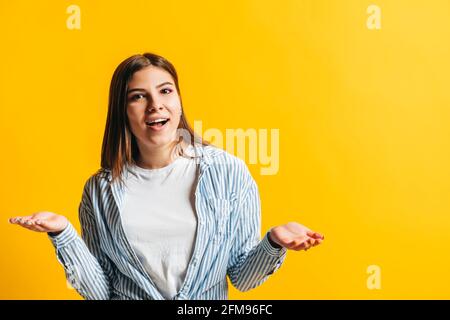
(363, 116)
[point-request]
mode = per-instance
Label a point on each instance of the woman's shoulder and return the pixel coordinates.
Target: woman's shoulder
(227, 166)
(229, 171)
(97, 180)
(219, 157)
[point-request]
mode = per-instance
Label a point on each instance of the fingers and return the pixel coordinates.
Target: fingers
(296, 242)
(42, 224)
(302, 246)
(299, 244)
(37, 225)
(315, 235)
(19, 219)
(29, 223)
(23, 221)
(305, 245)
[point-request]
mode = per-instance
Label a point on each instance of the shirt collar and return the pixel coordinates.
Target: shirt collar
(203, 154)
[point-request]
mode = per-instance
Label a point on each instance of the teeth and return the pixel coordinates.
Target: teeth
(157, 120)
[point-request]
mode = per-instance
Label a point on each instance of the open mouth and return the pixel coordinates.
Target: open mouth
(157, 123)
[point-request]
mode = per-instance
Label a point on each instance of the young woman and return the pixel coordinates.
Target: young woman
(168, 216)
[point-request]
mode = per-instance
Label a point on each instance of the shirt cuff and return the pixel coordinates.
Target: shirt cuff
(271, 250)
(62, 239)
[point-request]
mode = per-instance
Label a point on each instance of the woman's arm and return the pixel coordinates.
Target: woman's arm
(87, 268)
(252, 260)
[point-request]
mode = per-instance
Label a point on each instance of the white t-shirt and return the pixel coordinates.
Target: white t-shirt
(160, 221)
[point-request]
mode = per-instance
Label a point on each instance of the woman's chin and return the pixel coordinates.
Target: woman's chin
(159, 140)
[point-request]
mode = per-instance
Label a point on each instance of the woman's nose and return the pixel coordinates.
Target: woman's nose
(156, 107)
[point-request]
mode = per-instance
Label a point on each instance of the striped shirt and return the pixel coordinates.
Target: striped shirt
(101, 264)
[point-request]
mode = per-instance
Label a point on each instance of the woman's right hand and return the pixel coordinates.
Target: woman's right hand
(43, 221)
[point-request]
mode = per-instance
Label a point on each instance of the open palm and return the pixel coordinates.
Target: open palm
(43, 221)
(295, 236)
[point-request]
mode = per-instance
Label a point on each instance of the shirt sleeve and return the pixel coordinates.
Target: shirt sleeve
(252, 260)
(87, 268)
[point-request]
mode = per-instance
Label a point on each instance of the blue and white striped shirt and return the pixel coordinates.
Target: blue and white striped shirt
(101, 264)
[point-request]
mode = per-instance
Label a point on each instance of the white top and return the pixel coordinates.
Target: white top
(160, 221)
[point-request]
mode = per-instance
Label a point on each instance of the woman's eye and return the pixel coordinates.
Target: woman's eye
(166, 91)
(136, 96)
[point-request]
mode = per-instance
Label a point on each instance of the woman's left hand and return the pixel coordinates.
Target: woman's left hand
(295, 236)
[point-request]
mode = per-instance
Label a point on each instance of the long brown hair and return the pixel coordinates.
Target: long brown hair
(119, 144)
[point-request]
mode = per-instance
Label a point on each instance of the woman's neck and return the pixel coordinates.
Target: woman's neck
(158, 157)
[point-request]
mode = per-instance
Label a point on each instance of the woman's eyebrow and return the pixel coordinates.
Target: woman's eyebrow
(141, 89)
(161, 84)
(135, 89)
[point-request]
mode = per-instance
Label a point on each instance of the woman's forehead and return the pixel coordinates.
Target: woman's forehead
(151, 75)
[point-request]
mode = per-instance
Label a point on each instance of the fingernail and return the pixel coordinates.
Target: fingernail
(38, 221)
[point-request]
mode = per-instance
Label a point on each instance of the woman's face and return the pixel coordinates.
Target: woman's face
(152, 95)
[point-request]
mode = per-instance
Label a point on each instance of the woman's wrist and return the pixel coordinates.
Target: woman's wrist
(55, 233)
(273, 243)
